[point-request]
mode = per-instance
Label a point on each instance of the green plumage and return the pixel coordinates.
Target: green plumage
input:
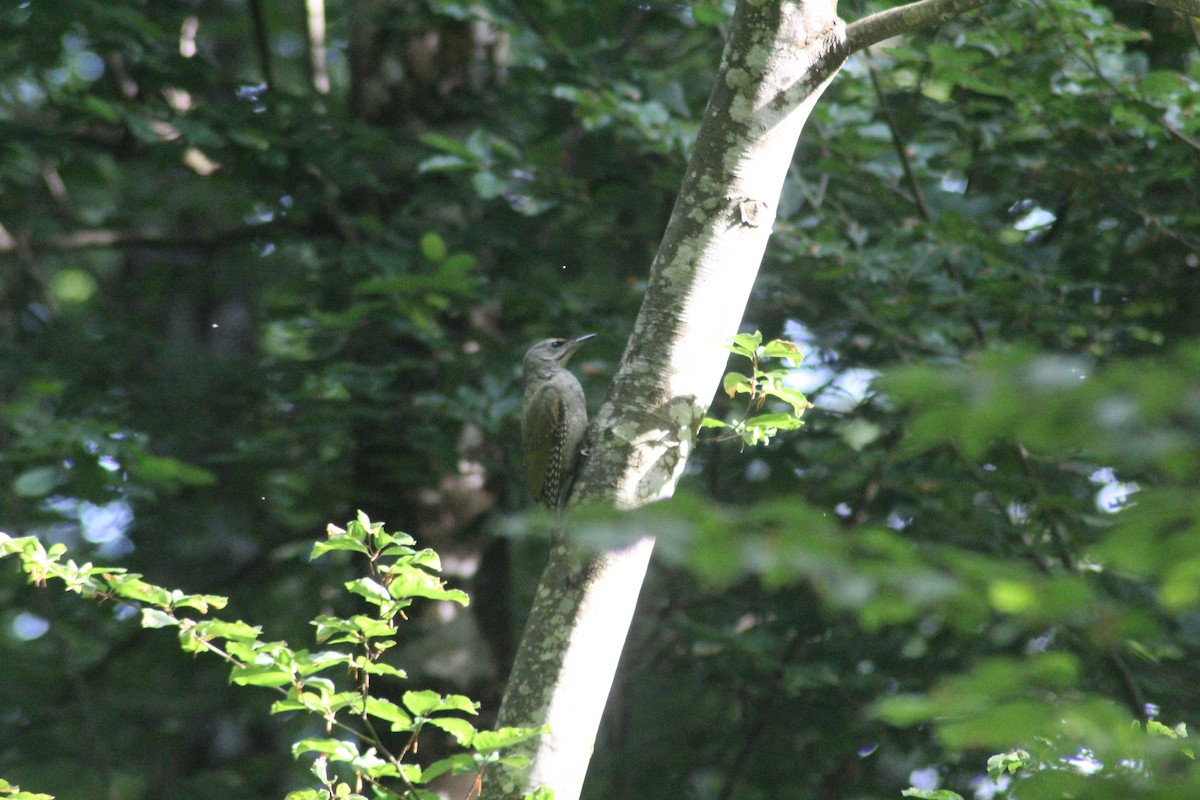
(553, 419)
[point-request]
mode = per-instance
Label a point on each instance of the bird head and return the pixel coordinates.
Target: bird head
(551, 354)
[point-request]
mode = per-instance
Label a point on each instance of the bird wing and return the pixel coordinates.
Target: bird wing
(545, 432)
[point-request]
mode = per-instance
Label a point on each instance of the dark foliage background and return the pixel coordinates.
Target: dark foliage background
(242, 296)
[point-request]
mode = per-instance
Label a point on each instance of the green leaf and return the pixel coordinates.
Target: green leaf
(357, 628)
(783, 422)
(795, 399)
(1009, 763)
(458, 702)
(428, 559)
(389, 712)
(746, 344)
(140, 127)
(709, 13)
(268, 675)
(168, 472)
(423, 702)
(336, 749)
(412, 582)
(460, 729)
(936, 794)
(370, 589)
(130, 586)
(459, 264)
(487, 185)
(38, 482)
(102, 109)
(1156, 728)
(446, 144)
(444, 163)
(153, 618)
(903, 710)
(455, 764)
(378, 668)
(401, 546)
(311, 663)
(735, 382)
(339, 543)
(200, 602)
(490, 741)
(433, 247)
(781, 348)
(237, 630)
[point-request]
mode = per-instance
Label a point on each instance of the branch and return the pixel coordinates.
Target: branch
(316, 45)
(898, 145)
(102, 238)
(756, 725)
(905, 19)
(262, 42)
(1129, 687)
(1189, 8)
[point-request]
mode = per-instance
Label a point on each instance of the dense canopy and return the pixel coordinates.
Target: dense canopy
(263, 264)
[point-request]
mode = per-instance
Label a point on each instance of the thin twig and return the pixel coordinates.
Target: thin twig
(762, 715)
(101, 238)
(894, 334)
(262, 42)
(1129, 687)
(897, 143)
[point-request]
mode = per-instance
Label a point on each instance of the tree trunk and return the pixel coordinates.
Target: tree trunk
(778, 60)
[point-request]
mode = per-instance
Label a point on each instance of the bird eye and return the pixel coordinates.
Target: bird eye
(558, 342)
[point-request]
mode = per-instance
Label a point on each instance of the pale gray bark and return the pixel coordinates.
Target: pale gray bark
(778, 60)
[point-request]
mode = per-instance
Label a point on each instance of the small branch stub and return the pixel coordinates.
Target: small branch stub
(752, 211)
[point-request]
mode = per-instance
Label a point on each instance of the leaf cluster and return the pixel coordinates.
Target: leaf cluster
(754, 428)
(347, 689)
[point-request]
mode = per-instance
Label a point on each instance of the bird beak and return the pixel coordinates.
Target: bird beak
(572, 346)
